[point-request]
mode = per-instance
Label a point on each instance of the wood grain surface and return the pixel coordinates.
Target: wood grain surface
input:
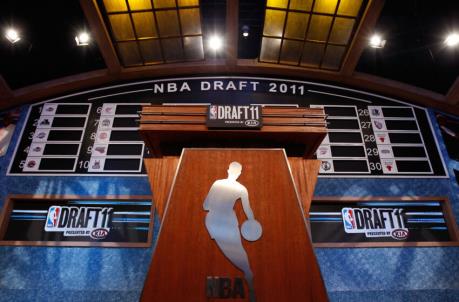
(305, 173)
(168, 129)
(283, 262)
(161, 172)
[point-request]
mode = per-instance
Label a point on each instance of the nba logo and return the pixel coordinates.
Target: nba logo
(348, 218)
(53, 216)
(213, 112)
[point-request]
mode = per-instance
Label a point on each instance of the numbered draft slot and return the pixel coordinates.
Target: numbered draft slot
(49, 164)
(109, 135)
(121, 109)
(117, 149)
(343, 149)
(51, 149)
(105, 164)
(61, 135)
(57, 140)
(46, 122)
(119, 122)
(117, 146)
(399, 141)
(55, 109)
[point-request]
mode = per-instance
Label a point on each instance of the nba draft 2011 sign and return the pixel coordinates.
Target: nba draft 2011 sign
(93, 222)
(350, 221)
(375, 222)
(77, 221)
(234, 116)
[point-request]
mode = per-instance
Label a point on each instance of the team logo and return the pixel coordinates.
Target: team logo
(326, 165)
(375, 222)
(382, 138)
(389, 166)
(375, 112)
(379, 125)
(323, 150)
(93, 222)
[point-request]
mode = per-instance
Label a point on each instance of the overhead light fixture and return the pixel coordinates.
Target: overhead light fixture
(452, 40)
(245, 31)
(376, 41)
(83, 39)
(215, 43)
(12, 35)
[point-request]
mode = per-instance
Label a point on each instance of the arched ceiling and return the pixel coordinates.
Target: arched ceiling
(325, 40)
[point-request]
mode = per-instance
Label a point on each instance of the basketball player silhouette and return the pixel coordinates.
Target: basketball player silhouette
(222, 223)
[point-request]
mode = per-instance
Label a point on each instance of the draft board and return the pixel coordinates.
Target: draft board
(81, 138)
(95, 132)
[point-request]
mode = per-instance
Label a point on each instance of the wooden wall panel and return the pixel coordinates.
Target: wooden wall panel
(305, 173)
(161, 172)
(283, 262)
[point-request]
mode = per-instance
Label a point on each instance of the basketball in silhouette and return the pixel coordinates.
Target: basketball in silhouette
(251, 230)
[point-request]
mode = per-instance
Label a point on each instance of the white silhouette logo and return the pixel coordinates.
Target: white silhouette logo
(222, 223)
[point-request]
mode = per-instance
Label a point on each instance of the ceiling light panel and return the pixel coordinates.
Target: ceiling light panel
(309, 33)
(147, 32)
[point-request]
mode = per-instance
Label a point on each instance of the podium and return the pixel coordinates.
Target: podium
(197, 256)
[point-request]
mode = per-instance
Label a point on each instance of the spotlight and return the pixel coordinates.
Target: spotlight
(376, 41)
(82, 39)
(215, 43)
(245, 31)
(12, 35)
(452, 40)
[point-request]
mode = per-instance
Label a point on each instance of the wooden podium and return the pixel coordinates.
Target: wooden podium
(279, 188)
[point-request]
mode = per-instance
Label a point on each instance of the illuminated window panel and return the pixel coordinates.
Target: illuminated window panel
(130, 54)
(168, 23)
(173, 50)
(349, 8)
(139, 4)
(164, 3)
(194, 49)
(312, 54)
(305, 5)
(122, 27)
(296, 25)
(115, 6)
(291, 51)
(325, 6)
(277, 3)
(319, 28)
(341, 31)
(190, 21)
(182, 3)
(146, 32)
(309, 33)
(270, 48)
(333, 57)
(151, 51)
(144, 24)
(274, 23)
